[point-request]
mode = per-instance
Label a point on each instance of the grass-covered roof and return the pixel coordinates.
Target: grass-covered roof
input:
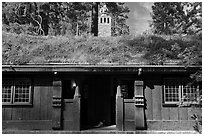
(144, 49)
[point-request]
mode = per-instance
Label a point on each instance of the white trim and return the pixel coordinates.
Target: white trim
(181, 93)
(13, 91)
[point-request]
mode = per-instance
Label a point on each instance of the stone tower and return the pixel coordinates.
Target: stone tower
(104, 22)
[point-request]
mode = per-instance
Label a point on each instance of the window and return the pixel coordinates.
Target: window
(101, 20)
(108, 20)
(7, 91)
(104, 20)
(177, 91)
(16, 92)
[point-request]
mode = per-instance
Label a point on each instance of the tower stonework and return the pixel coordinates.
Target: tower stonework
(104, 23)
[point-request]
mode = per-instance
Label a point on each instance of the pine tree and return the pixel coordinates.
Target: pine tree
(52, 17)
(177, 17)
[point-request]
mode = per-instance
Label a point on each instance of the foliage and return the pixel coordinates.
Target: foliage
(198, 122)
(142, 49)
(51, 17)
(119, 13)
(197, 116)
(177, 17)
(192, 55)
(19, 29)
(181, 18)
(191, 22)
(163, 15)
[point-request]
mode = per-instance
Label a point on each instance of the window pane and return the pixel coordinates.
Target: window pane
(171, 90)
(190, 93)
(104, 20)
(22, 91)
(6, 91)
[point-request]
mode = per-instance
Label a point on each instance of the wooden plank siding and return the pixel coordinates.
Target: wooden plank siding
(17, 113)
(41, 109)
(157, 115)
(26, 112)
(148, 96)
(173, 113)
(43, 103)
(129, 116)
(183, 113)
(155, 111)
(156, 102)
(7, 113)
(35, 112)
(49, 103)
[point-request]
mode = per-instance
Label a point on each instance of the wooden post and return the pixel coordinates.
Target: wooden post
(119, 110)
(139, 105)
(77, 109)
(56, 104)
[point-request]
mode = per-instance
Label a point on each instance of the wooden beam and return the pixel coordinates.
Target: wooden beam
(139, 105)
(98, 68)
(27, 124)
(119, 110)
(56, 104)
(77, 109)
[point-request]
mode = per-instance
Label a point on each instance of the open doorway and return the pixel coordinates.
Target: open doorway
(98, 102)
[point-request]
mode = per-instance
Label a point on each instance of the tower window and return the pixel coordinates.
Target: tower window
(101, 20)
(104, 20)
(108, 20)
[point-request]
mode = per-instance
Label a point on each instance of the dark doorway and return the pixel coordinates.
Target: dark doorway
(68, 89)
(98, 102)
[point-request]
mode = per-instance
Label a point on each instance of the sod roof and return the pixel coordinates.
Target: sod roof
(18, 49)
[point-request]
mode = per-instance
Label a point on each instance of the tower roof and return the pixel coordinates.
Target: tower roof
(103, 10)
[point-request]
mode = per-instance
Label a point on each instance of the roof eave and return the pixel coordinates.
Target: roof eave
(97, 68)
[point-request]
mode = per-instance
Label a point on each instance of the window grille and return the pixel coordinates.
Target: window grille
(7, 91)
(22, 92)
(177, 91)
(190, 93)
(171, 91)
(16, 92)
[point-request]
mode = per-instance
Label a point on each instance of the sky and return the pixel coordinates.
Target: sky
(139, 16)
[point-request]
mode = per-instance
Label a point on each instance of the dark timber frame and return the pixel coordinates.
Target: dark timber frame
(143, 111)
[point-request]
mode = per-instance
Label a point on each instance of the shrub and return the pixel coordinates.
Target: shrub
(148, 49)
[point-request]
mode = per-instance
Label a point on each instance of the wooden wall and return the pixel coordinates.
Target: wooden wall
(41, 109)
(163, 117)
(129, 114)
(40, 112)
(68, 116)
